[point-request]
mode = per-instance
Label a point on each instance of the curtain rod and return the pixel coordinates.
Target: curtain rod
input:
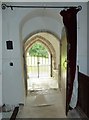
(4, 6)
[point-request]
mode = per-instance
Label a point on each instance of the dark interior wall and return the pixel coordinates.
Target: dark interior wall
(83, 94)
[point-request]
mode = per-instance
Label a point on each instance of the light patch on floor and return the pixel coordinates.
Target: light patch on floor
(52, 99)
(42, 83)
(41, 101)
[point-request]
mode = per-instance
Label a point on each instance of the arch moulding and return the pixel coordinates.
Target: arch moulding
(45, 42)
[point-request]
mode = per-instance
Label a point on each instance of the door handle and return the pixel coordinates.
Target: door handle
(65, 63)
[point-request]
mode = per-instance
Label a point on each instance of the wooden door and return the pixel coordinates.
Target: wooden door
(70, 23)
(25, 70)
(64, 68)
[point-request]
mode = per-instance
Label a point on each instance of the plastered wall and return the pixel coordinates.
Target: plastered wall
(16, 26)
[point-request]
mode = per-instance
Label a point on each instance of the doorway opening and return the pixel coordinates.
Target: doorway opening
(38, 61)
(41, 62)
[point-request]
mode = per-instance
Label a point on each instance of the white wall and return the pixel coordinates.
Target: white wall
(13, 90)
(88, 39)
(17, 25)
(82, 39)
(0, 58)
(0, 55)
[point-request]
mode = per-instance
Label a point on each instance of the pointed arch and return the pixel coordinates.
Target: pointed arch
(44, 41)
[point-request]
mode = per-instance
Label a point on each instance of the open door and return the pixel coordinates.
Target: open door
(64, 66)
(25, 71)
(69, 61)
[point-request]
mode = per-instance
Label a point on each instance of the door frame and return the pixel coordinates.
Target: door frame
(46, 43)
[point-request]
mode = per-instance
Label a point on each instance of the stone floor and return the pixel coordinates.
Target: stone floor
(42, 83)
(44, 100)
(43, 104)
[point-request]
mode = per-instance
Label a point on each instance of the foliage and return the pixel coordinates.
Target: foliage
(38, 50)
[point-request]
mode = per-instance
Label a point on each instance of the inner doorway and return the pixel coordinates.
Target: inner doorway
(41, 62)
(38, 61)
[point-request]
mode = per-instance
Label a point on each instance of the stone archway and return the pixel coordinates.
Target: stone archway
(44, 41)
(28, 43)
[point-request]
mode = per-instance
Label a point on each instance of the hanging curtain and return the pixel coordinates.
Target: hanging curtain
(70, 23)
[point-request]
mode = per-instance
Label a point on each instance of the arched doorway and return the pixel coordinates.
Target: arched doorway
(42, 65)
(38, 61)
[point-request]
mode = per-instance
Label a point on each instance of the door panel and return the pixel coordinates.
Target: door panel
(70, 23)
(63, 65)
(25, 73)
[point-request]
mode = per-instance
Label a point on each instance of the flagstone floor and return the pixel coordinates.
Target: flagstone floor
(45, 104)
(44, 100)
(42, 83)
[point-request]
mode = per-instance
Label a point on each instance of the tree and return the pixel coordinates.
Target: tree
(38, 50)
